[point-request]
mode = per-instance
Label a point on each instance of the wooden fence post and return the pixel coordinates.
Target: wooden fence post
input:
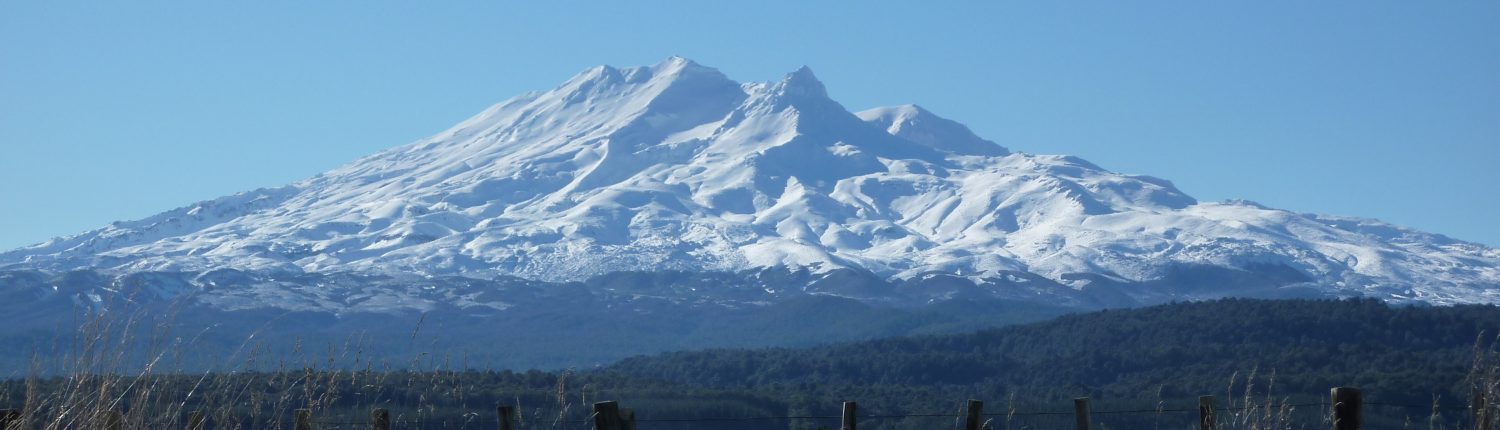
(607, 416)
(1347, 408)
(1480, 406)
(195, 420)
(1207, 416)
(851, 419)
(303, 419)
(507, 417)
(1081, 412)
(113, 420)
(380, 419)
(10, 418)
(976, 415)
(627, 419)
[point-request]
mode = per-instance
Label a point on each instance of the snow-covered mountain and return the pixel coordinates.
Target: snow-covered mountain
(677, 167)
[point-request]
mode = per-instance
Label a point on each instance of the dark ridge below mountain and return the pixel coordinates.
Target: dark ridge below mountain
(1402, 354)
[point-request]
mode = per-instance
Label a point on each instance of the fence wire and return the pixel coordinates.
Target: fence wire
(1269, 415)
(1284, 415)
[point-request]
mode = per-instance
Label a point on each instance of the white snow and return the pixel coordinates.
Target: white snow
(675, 166)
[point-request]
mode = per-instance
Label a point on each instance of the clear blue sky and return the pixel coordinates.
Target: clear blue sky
(1389, 110)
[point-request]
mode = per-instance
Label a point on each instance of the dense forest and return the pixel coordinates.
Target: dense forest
(1162, 357)
(1177, 350)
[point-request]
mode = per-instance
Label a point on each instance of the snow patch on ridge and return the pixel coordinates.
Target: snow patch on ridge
(676, 167)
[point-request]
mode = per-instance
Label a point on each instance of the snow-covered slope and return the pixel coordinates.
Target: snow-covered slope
(676, 167)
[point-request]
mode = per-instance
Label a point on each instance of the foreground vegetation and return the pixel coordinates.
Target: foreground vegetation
(1280, 356)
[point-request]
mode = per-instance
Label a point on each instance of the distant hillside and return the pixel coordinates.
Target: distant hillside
(1142, 368)
(1175, 351)
(504, 323)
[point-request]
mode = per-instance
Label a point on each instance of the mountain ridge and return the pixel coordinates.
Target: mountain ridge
(675, 166)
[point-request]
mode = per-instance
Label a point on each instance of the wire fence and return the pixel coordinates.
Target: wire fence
(1241, 413)
(1270, 415)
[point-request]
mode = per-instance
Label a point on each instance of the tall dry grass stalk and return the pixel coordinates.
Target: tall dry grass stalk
(129, 368)
(1256, 408)
(1483, 382)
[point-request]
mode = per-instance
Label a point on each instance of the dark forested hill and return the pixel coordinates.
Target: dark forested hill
(1135, 363)
(1175, 351)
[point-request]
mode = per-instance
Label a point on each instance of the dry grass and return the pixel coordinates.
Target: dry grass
(126, 370)
(1484, 383)
(1248, 409)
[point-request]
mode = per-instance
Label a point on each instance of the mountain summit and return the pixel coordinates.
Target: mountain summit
(676, 167)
